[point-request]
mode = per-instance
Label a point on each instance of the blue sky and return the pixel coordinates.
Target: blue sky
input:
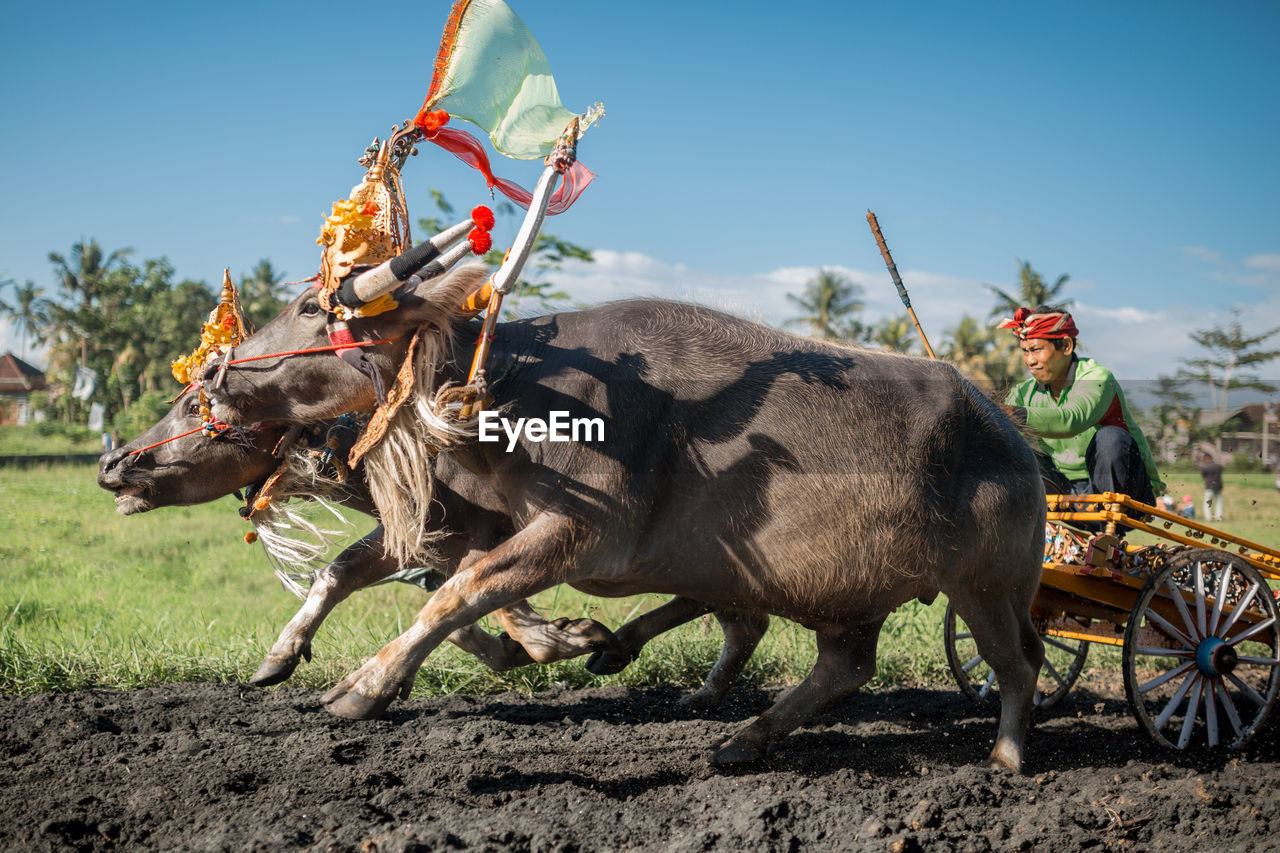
(1130, 145)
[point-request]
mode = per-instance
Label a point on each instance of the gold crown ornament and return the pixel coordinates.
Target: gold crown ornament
(371, 225)
(225, 328)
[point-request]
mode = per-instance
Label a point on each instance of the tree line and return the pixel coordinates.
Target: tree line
(1228, 359)
(118, 326)
(124, 323)
(127, 322)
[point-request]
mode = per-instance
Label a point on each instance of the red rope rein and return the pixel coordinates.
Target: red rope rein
(166, 441)
(330, 348)
(218, 425)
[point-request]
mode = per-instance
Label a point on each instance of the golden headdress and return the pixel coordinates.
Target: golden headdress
(371, 225)
(225, 328)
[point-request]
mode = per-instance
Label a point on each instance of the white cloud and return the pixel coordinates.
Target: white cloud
(1265, 263)
(1260, 270)
(1201, 253)
(11, 341)
(1137, 343)
(1124, 315)
(1265, 271)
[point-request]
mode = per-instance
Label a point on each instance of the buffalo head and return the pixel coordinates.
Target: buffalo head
(159, 469)
(287, 371)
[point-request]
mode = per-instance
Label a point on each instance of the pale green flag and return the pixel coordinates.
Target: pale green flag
(491, 71)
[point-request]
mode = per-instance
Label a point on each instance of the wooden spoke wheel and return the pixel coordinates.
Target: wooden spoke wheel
(1063, 661)
(1202, 651)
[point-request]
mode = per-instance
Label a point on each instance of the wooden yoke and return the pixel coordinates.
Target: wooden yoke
(475, 394)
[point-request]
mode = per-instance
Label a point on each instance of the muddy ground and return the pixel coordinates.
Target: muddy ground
(222, 767)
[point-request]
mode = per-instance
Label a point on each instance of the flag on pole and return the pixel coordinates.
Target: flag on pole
(84, 384)
(97, 416)
(490, 71)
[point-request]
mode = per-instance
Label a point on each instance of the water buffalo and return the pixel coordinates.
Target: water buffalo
(172, 464)
(739, 465)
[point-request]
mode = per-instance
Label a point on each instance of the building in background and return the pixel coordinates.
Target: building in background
(17, 380)
(1253, 430)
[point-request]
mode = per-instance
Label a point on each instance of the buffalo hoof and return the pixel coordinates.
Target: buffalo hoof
(1006, 759)
(355, 706)
(701, 702)
(736, 753)
(610, 662)
(590, 633)
(274, 671)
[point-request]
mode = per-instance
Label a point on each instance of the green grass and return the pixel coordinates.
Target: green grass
(89, 598)
(1251, 503)
(47, 438)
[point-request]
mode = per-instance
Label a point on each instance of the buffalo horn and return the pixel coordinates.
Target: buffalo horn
(389, 275)
(446, 260)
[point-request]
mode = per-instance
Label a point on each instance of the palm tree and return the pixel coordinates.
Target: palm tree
(260, 293)
(968, 346)
(1032, 292)
(84, 275)
(29, 313)
(830, 302)
(896, 334)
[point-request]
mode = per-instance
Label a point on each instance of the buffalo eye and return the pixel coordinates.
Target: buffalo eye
(193, 408)
(309, 309)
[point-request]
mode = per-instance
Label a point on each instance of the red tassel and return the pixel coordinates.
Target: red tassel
(430, 122)
(481, 241)
(482, 217)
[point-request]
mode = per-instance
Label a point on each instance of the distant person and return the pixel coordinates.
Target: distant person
(1188, 509)
(1211, 472)
(1078, 410)
(108, 443)
(1167, 504)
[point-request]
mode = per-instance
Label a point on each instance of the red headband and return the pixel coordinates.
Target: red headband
(1050, 326)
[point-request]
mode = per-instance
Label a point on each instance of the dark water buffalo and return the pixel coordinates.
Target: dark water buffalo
(180, 468)
(739, 465)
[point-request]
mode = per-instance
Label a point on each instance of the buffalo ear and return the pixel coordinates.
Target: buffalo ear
(440, 297)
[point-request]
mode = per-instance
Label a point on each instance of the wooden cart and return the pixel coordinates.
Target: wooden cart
(1194, 615)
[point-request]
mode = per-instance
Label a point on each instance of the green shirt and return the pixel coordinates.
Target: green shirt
(1091, 398)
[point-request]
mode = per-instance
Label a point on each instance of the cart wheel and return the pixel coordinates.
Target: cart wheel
(1200, 651)
(1063, 661)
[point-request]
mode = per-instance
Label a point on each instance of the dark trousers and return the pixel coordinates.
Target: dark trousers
(1115, 465)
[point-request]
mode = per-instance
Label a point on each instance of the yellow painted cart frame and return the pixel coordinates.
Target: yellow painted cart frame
(1196, 670)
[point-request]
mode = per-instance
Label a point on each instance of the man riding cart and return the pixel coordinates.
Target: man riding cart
(1077, 410)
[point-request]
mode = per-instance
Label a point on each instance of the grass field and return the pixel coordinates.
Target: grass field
(89, 598)
(47, 438)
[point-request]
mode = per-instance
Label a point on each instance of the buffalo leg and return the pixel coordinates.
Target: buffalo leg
(846, 660)
(633, 636)
(743, 631)
(559, 639)
(1007, 639)
(362, 563)
(523, 565)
